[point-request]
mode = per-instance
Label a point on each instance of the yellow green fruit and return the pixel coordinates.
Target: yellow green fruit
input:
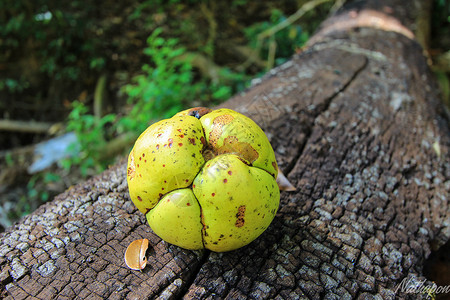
(205, 179)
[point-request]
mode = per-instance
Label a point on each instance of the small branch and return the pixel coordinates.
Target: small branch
(292, 18)
(250, 56)
(272, 53)
(441, 62)
(118, 145)
(99, 96)
(280, 26)
(25, 126)
(212, 28)
(206, 66)
(423, 29)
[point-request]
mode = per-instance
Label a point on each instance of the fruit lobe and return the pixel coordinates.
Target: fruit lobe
(177, 218)
(165, 157)
(227, 131)
(238, 202)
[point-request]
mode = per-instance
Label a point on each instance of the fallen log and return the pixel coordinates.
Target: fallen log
(357, 127)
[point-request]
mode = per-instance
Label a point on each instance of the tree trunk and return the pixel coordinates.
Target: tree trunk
(357, 127)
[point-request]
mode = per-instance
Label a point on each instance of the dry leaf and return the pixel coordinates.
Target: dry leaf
(135, 254)
(283, 182)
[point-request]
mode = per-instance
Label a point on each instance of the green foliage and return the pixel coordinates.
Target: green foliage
(441, 10)
(12, 85)
(287, 40)
(36, 192)
(93, 134)
(56, 33)
(162, 88)
(9, 159)
(165, 87)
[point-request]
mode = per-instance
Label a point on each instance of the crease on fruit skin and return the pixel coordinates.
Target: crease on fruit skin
(202, 221)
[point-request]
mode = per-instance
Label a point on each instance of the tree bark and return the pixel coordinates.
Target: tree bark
(357, 127)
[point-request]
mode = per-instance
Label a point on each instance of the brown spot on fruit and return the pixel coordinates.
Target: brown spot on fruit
(192, 141)
(217, 128)
(188, 204)
(240, 216)
(229, 172)
(202, 139)
(170, 143)
(157, 146)
(131, 170)
(180, 144)
(213, 194)
(231, 145)
(139, 198)
(198, 112)
(225, 180)
(181, 135)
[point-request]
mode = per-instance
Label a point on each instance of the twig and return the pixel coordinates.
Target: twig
(212, 32)
(205, 65)
(118, 145)
(99, 96)
(280, 26)
(441, 62)
(25, 126)
(336, 6)
(272, 52)
(291, 19)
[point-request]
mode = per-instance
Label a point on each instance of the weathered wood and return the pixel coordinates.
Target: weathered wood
(356, 125)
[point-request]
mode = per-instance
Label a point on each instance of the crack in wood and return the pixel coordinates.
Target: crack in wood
(323, 110)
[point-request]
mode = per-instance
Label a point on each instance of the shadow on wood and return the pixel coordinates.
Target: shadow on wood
(357, 127)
